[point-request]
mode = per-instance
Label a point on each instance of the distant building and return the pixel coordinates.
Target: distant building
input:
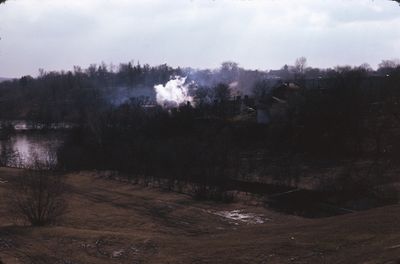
(275, 106)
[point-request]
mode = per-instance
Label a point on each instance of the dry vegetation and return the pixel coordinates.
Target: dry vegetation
(112, 222)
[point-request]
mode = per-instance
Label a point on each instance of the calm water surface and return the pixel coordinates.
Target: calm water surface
(29, 146)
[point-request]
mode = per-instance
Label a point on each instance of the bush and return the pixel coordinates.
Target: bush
(37, 196)
(214, 193)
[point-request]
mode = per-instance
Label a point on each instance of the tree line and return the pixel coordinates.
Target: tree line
(351, 125)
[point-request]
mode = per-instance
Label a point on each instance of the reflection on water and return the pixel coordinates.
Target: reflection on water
(21, 149)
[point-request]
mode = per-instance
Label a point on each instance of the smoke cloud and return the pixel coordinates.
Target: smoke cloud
(173, 93)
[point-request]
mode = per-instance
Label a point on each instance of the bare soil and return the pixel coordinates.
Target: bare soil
(114, 222)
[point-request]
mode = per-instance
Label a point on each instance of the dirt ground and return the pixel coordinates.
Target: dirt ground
(114, 222)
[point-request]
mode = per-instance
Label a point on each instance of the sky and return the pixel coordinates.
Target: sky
(257, 34)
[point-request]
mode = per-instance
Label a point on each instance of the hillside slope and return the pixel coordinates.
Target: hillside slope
(112, 222)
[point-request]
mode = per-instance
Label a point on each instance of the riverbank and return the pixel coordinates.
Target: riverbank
(113, 222)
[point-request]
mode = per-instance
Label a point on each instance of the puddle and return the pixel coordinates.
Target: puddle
(239, 216)
(118, 253)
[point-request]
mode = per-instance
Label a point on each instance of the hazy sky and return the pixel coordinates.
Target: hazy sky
(258, 34)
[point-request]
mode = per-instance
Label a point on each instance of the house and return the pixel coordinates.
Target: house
(275, 106)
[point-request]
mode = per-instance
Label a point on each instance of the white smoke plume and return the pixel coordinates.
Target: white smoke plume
(173, 93)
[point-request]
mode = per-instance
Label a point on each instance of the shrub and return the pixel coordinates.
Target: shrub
(214, 193)
(37, 196)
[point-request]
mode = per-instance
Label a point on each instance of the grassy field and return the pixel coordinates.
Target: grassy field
(114, 222)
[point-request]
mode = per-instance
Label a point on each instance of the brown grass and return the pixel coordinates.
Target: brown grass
(112, 222)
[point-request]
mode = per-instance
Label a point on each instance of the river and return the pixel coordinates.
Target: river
(25, 145)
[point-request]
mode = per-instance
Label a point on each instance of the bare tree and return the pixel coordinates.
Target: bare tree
(365, 67)
(393, 63)
(37, 195)
(300, 64)
(8, 156)
(222, 92)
